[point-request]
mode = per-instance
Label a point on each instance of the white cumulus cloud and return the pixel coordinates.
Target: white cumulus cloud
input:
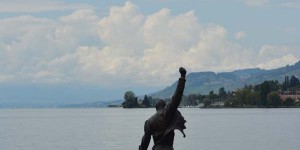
(272, 56)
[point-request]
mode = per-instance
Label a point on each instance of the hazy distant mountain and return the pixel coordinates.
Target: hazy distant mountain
(96, 104)
(28, 96)
(203, 82)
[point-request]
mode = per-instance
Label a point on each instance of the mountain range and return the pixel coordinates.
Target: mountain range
(82, 97)
(204, 82)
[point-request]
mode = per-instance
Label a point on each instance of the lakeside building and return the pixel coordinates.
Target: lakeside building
(295, 94)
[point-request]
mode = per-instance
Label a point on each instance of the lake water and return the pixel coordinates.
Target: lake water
(122, 129)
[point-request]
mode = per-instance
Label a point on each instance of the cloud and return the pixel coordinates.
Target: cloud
(126, 46)
(5, 78)
(240, 35)
(19, 6)
(121, 29)
(272, 56)
(278, 62)
(33, 44)
(257, 3)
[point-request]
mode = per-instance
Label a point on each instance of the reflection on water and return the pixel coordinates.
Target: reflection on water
(122, 129)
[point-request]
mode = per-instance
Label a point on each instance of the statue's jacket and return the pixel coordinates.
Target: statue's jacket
(166, 136)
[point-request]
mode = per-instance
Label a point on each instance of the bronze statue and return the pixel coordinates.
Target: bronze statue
(166, 119)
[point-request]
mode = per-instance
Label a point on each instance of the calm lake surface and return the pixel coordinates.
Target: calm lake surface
(122, 129)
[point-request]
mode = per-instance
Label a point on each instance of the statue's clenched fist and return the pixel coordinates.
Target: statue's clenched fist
(182, 71)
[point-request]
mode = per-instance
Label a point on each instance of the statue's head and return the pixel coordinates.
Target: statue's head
(160, 104)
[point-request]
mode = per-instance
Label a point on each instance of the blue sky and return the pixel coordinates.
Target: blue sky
(114, 46)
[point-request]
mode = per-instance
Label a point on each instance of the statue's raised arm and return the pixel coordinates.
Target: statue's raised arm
(176, 98)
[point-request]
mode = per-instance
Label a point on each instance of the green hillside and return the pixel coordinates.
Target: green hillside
(203, 82)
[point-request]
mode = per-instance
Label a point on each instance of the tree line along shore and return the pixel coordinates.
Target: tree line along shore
(268, 94)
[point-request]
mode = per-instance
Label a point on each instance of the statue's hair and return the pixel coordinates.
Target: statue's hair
(160, 104)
